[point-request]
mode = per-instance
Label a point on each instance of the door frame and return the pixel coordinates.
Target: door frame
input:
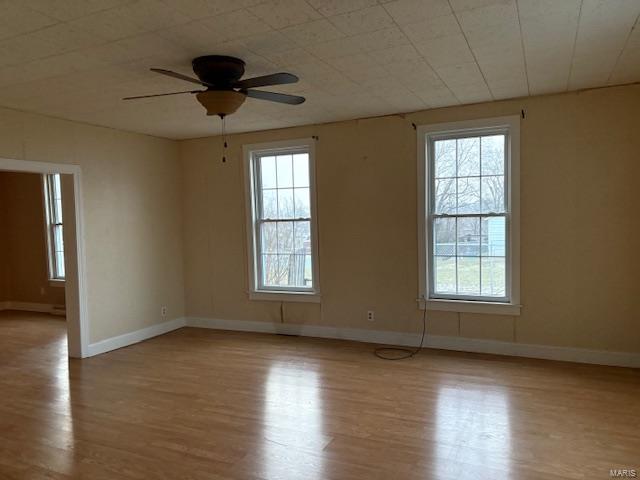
(77, 315)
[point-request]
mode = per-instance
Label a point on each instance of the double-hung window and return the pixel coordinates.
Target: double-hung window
(469, 215)
(282, 235)
(54, 226)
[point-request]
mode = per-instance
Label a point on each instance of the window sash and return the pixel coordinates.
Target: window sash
(261, 253)
(431, 216)
(258, 220)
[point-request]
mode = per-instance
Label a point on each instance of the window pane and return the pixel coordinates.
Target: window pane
(469, 195)
(57, 210)
(445, 158)
(285, 203)
(469, 275)
(494, 237)
(269, 238)
(468, 156)
(269, 270)
(302, 203)
(493, 155)
(445, 196)
(58, 240)
(59, 260)
(493, 276)
(445, 275)
(285, 237)
(58, 246)
(302, 238)
(268, 172)
(444, 237)
(301, 170)
(297, 271)
(468, 237)
(269, 204)
(285, 171)
(302, 249)
(493, 194)
(308, 271)
(283, 270)
(57, 190)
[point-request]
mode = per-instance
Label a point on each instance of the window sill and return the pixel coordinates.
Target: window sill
(276, 296)
(56, 283)
(470, 306)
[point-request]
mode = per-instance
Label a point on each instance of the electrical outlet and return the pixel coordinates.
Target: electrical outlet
(371, 315)
(163, 311)
(41, 290)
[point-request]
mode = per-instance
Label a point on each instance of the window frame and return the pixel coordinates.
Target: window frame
(55, 280)
(251, 153)
(426, 134)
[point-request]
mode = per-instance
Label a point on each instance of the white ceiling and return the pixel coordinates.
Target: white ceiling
(75, 59)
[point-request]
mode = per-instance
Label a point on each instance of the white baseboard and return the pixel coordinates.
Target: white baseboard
(27, 306)
(356, 334)
(127, 339)
(568, 354)
(546, 352)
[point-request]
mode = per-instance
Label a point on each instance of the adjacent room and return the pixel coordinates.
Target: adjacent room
(319, 239)
(32, 276)
(33, 248)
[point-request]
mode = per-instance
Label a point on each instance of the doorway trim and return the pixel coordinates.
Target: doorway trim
(76, 327)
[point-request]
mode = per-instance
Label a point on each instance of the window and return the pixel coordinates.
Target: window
(282, 229)
(469, 211)
(53, 219)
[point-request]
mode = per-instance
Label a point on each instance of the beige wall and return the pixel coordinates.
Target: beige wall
(132, 221)
(580, 170)
(25, 251)
(580, 261)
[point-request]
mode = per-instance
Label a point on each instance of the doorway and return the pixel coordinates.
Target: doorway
(73, 263)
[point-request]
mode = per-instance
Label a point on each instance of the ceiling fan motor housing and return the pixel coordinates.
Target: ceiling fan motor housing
(218, 70)
(221, 102)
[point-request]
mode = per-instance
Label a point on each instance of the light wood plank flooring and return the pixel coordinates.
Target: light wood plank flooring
(204, 404)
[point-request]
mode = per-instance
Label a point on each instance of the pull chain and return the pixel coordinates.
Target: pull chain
(224, 140)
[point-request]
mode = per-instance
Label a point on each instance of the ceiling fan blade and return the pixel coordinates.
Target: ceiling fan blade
(276, 97)
(179, 76)
(266, 80)
(162, 94)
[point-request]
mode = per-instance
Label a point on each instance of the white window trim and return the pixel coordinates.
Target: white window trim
(513, 171)
(283, 294)
(46, 203)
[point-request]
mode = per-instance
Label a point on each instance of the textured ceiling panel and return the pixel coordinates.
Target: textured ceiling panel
(76, 59)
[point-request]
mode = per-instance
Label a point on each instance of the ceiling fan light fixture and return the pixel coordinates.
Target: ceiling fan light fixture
(221, 102)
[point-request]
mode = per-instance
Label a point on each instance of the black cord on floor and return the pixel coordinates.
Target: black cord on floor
(401, 353)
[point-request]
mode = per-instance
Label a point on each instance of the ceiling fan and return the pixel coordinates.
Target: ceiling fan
(224, 92)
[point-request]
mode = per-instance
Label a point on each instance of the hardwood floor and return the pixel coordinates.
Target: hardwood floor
(204, 404)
